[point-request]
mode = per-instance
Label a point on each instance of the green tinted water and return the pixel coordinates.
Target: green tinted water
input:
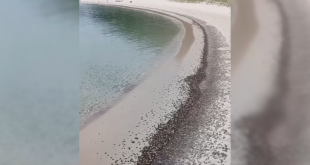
(117, 47)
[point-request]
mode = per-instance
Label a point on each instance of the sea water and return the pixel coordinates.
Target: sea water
(117, 47)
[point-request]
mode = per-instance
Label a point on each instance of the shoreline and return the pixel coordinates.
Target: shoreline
(152, 139)
(187, 41)
(166, 131)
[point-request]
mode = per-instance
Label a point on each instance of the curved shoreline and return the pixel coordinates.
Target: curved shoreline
(185, 45)
(156, 145)
(188, 38)
(166, 132)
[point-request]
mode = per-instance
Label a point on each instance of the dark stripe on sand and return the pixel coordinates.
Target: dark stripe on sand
(260, 126)
(166, 132)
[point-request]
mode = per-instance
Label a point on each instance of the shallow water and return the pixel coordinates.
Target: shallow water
(118, 47)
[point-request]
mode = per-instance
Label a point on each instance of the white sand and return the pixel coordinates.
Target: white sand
(146, 105)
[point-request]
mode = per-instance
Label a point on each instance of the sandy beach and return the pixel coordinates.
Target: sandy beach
(181, 112)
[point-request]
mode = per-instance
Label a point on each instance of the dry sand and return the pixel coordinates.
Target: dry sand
(132, 125)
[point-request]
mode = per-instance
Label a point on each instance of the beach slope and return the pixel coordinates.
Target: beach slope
(181, 113)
